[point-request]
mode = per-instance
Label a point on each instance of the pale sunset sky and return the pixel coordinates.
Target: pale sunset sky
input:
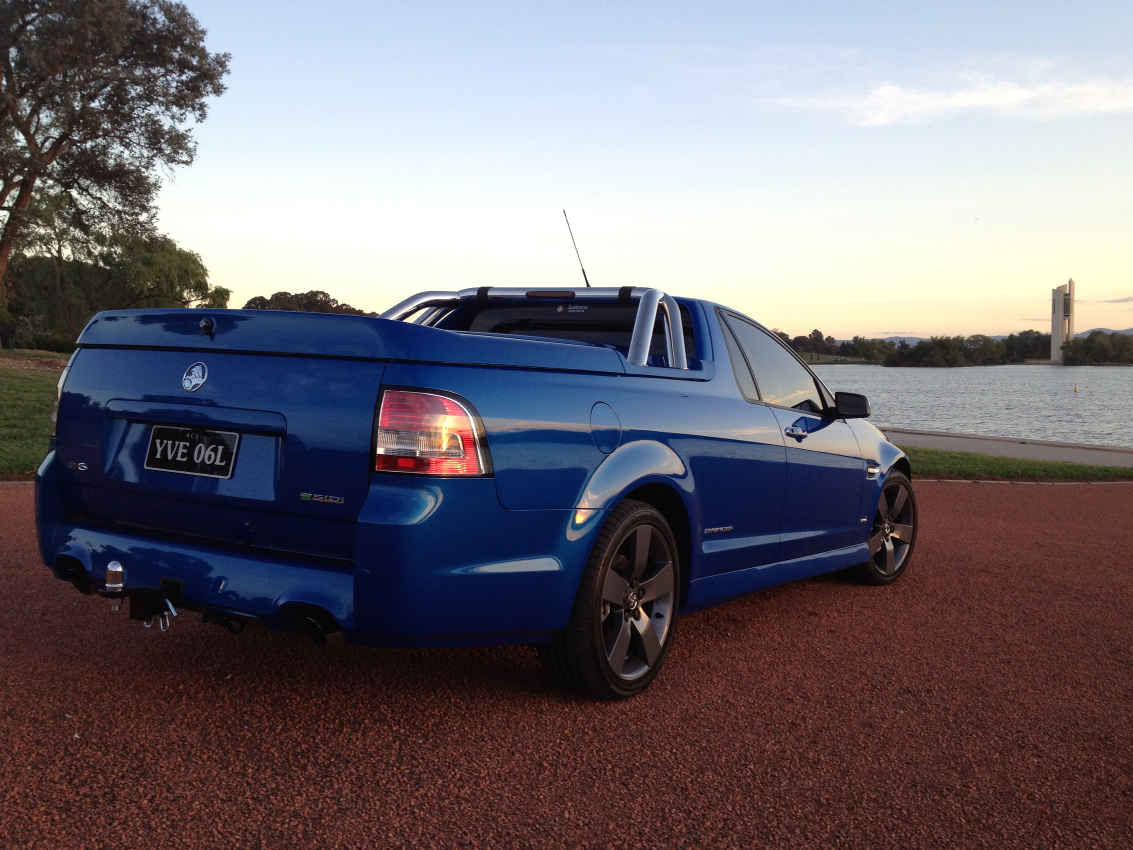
(874, 168)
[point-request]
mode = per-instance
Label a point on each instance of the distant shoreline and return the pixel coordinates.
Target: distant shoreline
(968, 366)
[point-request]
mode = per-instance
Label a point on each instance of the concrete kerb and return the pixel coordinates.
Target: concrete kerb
(1013, 447)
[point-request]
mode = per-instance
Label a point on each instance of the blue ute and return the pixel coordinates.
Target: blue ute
(568, 468)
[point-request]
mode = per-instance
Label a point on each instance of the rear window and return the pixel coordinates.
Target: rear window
(603, 324)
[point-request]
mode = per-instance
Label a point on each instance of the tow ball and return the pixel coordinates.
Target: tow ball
(147, 604)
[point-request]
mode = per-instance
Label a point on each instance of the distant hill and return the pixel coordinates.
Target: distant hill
(913, 340)
(1104, 331)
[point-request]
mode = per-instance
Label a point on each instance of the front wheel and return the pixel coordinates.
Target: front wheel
(622, 623)
(893, 534)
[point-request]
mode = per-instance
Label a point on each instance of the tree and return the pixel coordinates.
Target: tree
(1027, 345)
(57, 290)
(940, 351)
(153, 271)
(872, 350)
(315, 301)
(1098, 347)
(95, 99)
(52, 232)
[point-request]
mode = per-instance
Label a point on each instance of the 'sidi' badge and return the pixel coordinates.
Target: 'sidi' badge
(318, 497)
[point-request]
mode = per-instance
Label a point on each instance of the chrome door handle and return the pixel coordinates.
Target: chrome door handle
(795, 431)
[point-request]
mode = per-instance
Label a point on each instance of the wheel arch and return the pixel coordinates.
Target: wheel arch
(903, 466)
(668, 502)
(648, 471)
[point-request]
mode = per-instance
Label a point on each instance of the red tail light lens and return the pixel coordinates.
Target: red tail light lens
(427, 434)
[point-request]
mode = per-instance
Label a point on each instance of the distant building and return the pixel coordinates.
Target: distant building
(1061, 318)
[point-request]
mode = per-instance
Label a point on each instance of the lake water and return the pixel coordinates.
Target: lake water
(1030, 402)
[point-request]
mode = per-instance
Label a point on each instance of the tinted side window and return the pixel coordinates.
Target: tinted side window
(782, 379)
(739, 367)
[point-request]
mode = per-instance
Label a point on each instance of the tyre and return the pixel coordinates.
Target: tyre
(622, 623)
(893, 534)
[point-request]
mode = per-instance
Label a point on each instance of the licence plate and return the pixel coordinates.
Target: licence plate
(192, 451)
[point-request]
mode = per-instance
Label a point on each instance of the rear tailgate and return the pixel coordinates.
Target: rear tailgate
(299, 430)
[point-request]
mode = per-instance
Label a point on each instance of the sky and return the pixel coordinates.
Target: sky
(866, 168)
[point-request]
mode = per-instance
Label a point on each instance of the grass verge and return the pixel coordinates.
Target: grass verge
(938, 463)
(25, 419)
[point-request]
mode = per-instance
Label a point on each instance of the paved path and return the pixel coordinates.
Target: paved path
(983, 701)
(1013, 447)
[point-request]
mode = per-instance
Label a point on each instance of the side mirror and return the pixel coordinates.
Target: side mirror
(851, 405)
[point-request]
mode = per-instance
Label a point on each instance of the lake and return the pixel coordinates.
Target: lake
(1030, 402)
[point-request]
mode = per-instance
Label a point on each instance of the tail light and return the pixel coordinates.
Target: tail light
(429, 434)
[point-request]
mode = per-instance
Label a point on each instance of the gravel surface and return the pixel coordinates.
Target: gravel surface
(985, 700)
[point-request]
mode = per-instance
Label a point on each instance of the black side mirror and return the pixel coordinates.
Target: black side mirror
(851, 405)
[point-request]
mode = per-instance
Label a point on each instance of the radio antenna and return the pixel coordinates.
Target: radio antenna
(575, 244)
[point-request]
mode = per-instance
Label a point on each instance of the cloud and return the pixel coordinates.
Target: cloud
(1126, 300)
(1033, 99)
(875, 88)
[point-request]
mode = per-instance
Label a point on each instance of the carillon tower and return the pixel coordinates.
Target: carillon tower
(1061, 318)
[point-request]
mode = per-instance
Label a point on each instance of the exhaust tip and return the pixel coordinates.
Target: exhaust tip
(315, 622)
(311, 628)
(79, 580)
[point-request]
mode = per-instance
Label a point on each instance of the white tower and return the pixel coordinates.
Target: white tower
(1061, 319)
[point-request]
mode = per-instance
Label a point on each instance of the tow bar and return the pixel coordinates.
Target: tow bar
(147, 604)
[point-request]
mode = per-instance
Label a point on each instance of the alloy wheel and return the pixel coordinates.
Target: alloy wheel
(638, 596)
(894, 527)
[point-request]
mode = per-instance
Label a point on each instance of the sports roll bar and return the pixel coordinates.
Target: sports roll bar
(412, 304)
(436, 304)
(643, 330)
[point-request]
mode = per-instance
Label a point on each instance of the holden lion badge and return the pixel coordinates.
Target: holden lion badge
(195, 376)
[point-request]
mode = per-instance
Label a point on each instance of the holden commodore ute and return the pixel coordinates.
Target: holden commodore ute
(567, 468)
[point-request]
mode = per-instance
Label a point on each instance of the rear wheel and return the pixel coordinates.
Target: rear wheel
(893, 534)
(622, 623)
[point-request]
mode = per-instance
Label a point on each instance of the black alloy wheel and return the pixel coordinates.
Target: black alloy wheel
(893, 534)
(623, 619)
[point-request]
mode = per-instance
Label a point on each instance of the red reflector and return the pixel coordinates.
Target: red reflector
(427, 434)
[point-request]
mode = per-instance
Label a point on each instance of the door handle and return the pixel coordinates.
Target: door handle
(795, 431)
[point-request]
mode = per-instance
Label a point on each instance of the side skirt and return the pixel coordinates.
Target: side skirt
(713, 590)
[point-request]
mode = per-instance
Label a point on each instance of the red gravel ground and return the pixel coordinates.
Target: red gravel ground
(985, 700)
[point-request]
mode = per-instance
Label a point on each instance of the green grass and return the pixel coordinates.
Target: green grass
(938, 463)
(25, 418)
(28, 354)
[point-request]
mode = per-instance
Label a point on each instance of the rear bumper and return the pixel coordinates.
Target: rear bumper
(437, 562)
